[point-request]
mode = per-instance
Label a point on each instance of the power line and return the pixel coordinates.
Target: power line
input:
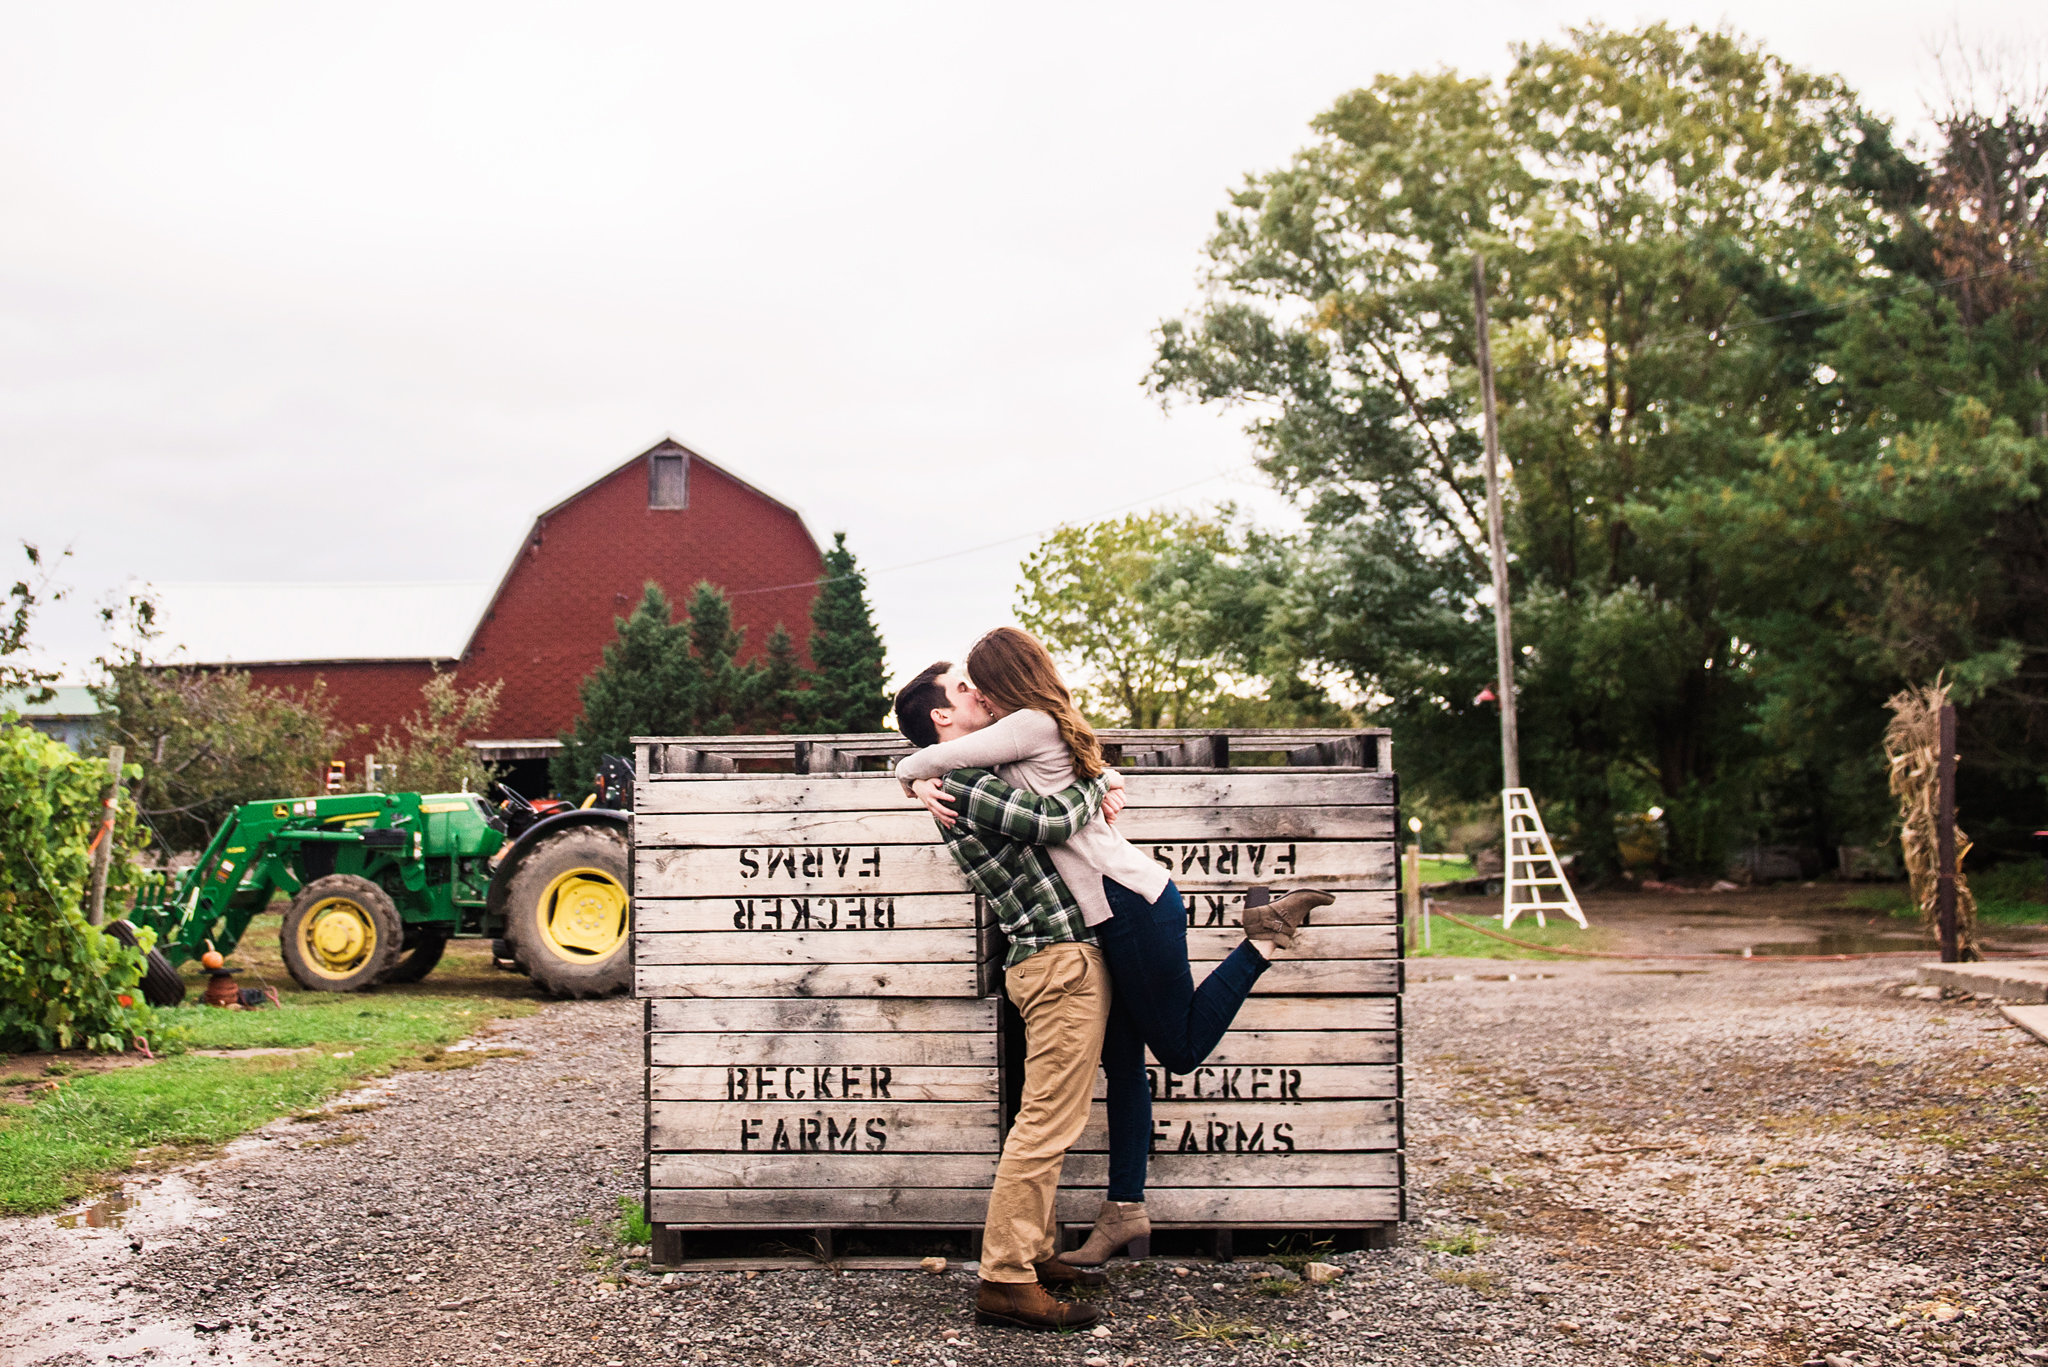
(1921, 287)
(991, 545)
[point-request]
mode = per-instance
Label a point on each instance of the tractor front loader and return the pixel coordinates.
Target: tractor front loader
(380, 882)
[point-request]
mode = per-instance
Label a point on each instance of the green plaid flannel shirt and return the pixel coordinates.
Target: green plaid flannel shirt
(999, 844)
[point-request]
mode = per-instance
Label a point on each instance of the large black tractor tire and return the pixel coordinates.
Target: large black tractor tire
(342, 934)
(417, 962)
(161, 985)
(567, 916)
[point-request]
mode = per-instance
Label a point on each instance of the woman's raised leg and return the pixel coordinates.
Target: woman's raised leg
(1146, 945)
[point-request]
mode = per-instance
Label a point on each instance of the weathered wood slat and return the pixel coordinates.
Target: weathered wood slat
(807, 1042)
(823, 1171)
(1138, 824)
(826, 1084)
(809, 947)
(841, 915)
(872, 1015)
(1143, 789)
(847, 1127)
(1342, 976)
(1227, 1082)
(1353, 907)
(1256, 1132)
(913, 1206)
(773, 1049)
(782, 914)
(1313, 1013)
(1297, 1048)
(1305, 1207)
(857, 1079)
(1316, 942)
(1218, 1170)
(900, 870)
(807, 980)
(817, 1171)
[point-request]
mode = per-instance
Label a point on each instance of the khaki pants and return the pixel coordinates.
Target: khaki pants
(1063, 993)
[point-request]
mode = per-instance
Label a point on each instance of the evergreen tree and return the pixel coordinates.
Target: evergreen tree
(647, 685)
(783, 699)
(669, 675)
(849, 691)
(729, 690)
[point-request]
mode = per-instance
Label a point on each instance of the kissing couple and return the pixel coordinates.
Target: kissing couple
(1098, 958)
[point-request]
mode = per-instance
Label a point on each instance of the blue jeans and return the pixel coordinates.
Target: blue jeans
(1154, 1002)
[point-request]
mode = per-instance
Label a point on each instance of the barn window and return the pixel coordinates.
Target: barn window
(668, 480)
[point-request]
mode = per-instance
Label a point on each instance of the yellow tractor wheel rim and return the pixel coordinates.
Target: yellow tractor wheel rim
(337, 937)
(583, 914)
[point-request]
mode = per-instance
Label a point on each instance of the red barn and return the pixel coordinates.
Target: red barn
(667, 515)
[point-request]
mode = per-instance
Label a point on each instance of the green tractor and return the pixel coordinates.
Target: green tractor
(380, 882)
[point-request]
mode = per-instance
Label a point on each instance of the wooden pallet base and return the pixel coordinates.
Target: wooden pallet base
(814, 1246)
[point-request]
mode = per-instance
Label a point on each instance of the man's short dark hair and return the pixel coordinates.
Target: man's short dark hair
(915, 701)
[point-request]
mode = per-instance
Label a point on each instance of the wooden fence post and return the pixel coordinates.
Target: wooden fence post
(1411, 894)
(103, 840)
(1945, 838)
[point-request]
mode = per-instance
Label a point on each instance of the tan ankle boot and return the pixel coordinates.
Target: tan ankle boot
(1278, 921)
(1120, 1225)
(1027, 1306)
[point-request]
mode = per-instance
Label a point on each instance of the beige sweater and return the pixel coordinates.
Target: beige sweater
(1025, 751)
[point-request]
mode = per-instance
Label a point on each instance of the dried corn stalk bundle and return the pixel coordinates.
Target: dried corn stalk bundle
(1912, 746)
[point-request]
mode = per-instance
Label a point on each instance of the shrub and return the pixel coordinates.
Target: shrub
(63, 984)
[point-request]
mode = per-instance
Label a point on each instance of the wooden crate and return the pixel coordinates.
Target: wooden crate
(825, 1044)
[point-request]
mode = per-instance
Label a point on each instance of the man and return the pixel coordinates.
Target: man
(1054, 975)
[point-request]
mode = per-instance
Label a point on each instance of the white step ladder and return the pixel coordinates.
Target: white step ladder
(1533, 868)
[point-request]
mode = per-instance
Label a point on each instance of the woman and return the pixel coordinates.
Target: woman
(1040, 742)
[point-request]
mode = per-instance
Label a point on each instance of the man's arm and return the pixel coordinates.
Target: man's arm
(989, 804)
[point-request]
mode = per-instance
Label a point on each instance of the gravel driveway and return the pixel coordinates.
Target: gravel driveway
(1609, 1163)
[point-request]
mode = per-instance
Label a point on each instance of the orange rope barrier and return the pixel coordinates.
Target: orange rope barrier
(1428, 909)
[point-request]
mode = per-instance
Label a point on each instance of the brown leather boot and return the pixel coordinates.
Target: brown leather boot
(1120, 1225)
(1025, 1305)
(1056, 1274)
(1278, 921)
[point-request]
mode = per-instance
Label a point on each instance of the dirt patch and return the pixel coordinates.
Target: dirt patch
(22, 1076)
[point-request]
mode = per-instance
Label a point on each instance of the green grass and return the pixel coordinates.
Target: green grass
(1451, 941)
(633, 1225)
(69, 1142)
(1445, 868)
(2007, 895)
(1461, 1243)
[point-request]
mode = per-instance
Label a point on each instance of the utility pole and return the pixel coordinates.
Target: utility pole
(1503, 633)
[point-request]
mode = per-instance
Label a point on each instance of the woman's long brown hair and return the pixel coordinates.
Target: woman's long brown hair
(1014, 671)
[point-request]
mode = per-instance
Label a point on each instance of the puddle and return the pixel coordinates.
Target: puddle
(1841, 942)
(1486, 978)
(111, 1213)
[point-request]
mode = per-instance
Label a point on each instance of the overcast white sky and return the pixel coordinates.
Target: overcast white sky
(329, 292)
